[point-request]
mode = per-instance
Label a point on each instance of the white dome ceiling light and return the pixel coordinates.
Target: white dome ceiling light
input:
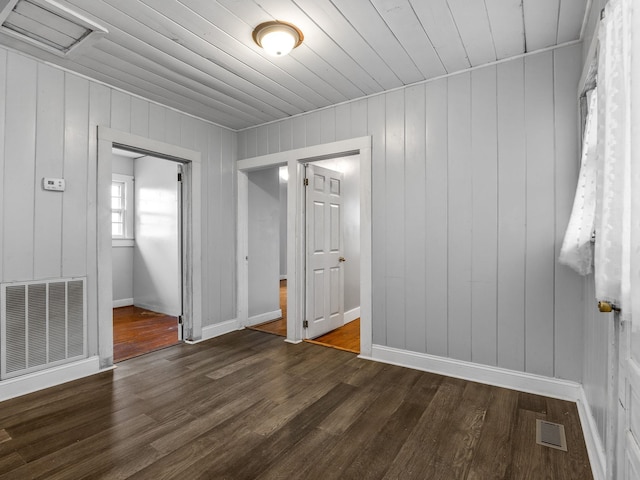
(277, 38)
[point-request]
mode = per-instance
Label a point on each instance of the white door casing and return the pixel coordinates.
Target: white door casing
(100, 336)
(324, 246)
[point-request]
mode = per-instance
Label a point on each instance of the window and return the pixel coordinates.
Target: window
(118, 212)
(122, 208)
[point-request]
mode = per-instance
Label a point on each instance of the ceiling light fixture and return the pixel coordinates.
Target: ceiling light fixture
(277, 38)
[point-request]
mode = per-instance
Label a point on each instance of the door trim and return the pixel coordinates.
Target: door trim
(295, 261)
(100, 335)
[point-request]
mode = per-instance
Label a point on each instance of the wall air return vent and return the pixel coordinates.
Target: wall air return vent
(42, 324)
(48, 25)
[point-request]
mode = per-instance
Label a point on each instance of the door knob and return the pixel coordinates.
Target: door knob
(342, 259)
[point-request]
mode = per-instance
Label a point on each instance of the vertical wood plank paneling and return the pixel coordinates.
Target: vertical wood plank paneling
(459, 221)
(415, 226)
(299, 132)
(120, 111)
(76, 149)
(262, 140)
(228, 217)
(139, 117)
(596, 350)
(47, 243)
(540, 259)
(242, 144)
(313, 125)
(156, 122)
(3, 110)
(395, 212)
(328, 125)
(252, 142)
(343, 121)
(286, 135)
(568, 336)
(274, 137)
(511, 214)
(172, 129)
(436, 219)
(376, 125)
(202, 145)
(214, 242)
(359, 118)
(187, 132)
(19, 167)
(484, 227)
(99, 114)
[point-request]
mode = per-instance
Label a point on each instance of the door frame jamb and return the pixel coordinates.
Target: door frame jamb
(295, 263)
(102, 336)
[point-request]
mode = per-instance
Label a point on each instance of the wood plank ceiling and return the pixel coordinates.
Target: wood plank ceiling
(198, 56)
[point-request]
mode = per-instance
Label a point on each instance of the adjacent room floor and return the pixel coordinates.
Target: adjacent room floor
(346, 337)
(247, 405)
(137, 331)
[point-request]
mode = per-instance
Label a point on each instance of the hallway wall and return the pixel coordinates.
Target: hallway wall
(48, 120)
(473, 177)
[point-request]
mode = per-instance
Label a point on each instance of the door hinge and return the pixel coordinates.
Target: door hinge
(305, 324)
(179, 177)
(305, 182)
(180, 319)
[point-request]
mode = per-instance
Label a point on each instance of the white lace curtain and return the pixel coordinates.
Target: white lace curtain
(613, 168)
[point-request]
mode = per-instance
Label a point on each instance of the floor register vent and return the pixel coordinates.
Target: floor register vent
(43, 324)
(551, 435)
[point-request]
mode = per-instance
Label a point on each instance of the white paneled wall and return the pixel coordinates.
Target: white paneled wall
(48, 121)
(596, 352)
(471, 180)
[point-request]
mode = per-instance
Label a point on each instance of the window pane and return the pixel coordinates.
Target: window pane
(116, 230)
(116, 202)
(116, 217)
(116, 189)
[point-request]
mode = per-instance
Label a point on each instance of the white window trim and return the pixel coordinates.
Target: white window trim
(128, 239)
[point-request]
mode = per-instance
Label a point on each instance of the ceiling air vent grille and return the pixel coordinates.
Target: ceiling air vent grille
(48, 25)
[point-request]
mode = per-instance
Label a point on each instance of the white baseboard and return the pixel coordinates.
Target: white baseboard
(123, 302)
(159, 308)
(212, 331)
(351, 315)
(263, 317)
(32, 382)
(595, 447)
(500, 377)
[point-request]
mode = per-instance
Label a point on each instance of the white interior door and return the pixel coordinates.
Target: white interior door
(324, 249)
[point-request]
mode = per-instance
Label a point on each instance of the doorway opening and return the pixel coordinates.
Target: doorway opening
(294, 160)
(146, 203)
(279, 277)
(186, 276)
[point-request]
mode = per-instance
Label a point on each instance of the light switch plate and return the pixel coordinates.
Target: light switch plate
(54, 184)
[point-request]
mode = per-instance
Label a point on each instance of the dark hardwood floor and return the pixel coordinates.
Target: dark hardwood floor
(137, 331)
(249, 406)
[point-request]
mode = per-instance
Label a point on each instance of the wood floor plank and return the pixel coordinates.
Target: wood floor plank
(247, 405)
(571, 462)
(493, 453)
(137, 331)
(419, 451)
